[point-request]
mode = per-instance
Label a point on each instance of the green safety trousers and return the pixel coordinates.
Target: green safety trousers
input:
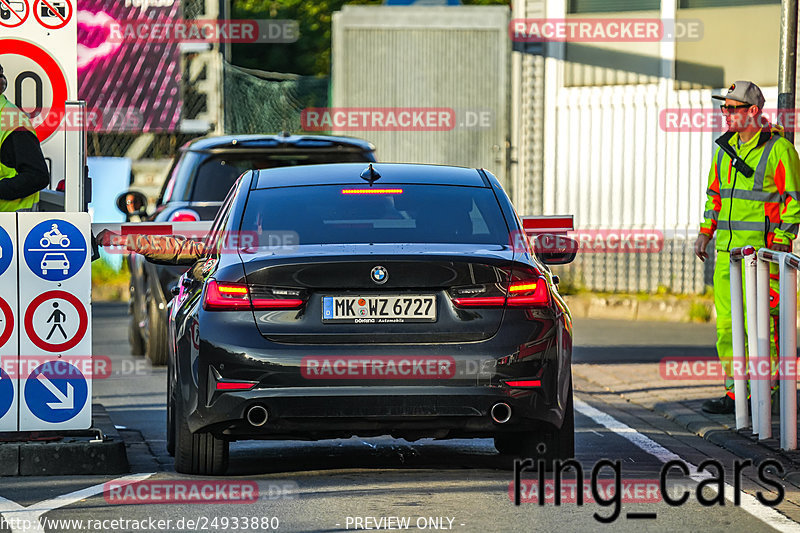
(722, 303)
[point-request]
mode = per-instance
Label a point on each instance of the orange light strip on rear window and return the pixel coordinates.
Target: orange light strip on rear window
(372, 191)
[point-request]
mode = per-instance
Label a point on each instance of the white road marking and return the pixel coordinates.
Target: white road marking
(749, 503)
(30, 515)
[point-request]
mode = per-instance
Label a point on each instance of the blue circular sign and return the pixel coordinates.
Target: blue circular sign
(56, 391)
(6, 251)
(6, 393)
(55, 250)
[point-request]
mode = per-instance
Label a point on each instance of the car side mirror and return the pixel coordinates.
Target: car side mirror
(132, 203)
(555, 249)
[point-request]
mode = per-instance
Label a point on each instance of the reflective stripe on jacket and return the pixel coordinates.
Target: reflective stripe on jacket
(762, 209)
(11, 119)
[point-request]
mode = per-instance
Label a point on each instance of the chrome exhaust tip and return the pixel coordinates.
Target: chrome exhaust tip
(257, 416)
(501, 412)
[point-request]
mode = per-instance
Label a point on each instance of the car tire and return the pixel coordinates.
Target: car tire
(198, 453)
(549, 445)
(135, 337)
(156, 345)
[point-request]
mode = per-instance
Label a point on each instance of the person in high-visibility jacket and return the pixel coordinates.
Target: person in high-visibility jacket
(23, 170)
(760, 210)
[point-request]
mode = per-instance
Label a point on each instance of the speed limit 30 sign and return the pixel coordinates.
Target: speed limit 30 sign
(39, 54)
(37, 84)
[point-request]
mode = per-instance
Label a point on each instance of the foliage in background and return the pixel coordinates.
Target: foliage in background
(699, 312)
(109, 284)
(311, 54)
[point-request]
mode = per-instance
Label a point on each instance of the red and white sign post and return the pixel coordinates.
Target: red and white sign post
(55, 343)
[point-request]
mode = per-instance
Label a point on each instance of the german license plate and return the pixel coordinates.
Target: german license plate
(379, 309)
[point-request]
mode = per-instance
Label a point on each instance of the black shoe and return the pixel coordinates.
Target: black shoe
(723, 406)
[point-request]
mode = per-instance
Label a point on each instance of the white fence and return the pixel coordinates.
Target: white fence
(613, 165)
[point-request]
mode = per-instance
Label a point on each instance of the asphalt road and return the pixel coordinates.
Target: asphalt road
(381, 483)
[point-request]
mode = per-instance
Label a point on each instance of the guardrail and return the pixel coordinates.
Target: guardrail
(756, 273)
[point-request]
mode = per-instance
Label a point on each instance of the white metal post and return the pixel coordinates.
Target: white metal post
(750, 263)
(763, 371)
(739, 369)
(788, 350)
(74, 183)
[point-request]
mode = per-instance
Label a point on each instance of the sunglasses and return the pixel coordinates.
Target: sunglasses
(728, 109)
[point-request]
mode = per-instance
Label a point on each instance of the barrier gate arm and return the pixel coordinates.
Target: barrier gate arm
(192, 230)
(555, 224)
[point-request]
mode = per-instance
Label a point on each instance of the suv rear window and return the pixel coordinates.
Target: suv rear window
(329, 214)
(217, 174)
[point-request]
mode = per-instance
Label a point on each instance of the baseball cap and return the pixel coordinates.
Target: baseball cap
(743, 91)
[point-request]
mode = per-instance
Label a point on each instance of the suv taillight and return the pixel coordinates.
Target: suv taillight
(224, 296)
(184, 215)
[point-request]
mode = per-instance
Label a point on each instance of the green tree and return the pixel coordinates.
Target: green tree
(311, 54)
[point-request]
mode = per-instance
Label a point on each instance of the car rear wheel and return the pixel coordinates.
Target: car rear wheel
(135, 337)
(197, 453)
(156, 346)
(550, 445)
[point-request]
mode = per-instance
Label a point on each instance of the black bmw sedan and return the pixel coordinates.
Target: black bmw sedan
(396, 299)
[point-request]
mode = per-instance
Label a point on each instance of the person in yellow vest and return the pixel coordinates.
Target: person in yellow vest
(753, 198)
(23, 170)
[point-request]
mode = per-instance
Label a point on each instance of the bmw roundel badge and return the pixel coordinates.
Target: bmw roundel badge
(379, 275)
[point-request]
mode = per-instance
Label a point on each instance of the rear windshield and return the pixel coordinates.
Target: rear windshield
(332, 214)
(217, 174)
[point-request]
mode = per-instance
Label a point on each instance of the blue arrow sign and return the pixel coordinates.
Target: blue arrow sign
(55, 250)
(6, 251)
(56, 391)
(6, 393)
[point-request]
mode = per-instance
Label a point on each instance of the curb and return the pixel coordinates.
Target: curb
(741, 443)
(622, 307)
(70, 455)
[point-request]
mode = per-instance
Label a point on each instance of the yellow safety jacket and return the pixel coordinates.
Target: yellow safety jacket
(762, 209)
(11, 119)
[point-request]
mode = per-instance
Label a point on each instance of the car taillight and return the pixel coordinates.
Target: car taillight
(528, 293)
(521, 293)
(372, 191)
(184, 215)
(223, 296)
(226, 296)
(524, 383)
(264, 298)
(235, 385)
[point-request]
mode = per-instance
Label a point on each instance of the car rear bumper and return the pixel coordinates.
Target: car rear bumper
(455, 400)
(341, 411)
